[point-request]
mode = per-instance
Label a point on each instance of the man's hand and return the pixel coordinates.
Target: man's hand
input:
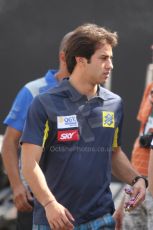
(120, 166)
(21, 197)
(137, 194)
(59, 218)
(10, 147)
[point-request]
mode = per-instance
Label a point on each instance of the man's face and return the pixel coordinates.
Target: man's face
(100, 66)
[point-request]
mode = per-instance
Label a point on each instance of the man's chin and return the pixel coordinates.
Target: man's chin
(102, 82)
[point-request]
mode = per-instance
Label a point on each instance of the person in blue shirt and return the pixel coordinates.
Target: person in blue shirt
(72, 141)
(15, 122)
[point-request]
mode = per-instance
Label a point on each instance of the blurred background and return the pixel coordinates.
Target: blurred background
(30, 32)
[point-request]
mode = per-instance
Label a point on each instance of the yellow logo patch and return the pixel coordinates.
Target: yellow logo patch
(108, 119)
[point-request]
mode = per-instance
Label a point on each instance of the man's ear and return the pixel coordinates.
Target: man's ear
(62, 56)
(80, 60)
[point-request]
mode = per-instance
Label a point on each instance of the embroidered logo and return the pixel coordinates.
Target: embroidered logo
(68, 135)
(108, 119)
(65, 122)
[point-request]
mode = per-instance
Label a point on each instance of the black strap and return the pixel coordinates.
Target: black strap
(140, 177)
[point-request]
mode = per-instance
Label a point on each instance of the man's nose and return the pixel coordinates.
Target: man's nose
(109, 64)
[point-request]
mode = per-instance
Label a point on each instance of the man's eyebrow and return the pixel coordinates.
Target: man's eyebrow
(105, 55)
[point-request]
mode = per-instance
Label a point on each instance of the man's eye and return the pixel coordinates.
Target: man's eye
(103, 58)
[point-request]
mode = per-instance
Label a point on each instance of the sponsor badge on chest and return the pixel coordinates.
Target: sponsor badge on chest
(67, 122)
(68, 135)
(108, 119)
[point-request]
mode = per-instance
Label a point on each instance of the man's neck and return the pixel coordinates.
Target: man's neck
(83, 88)
(59, 75)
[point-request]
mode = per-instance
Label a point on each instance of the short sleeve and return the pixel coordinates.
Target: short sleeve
(17, 115)
(33, 131)
(118, 131)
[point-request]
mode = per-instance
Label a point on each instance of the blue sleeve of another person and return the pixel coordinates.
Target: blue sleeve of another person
(36, 121)
(17, 115)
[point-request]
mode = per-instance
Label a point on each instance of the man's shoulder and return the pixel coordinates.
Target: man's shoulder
(35, 83)
(61, 89)
(58, 92)
(107, 94)
(42, 84)
(53, 93)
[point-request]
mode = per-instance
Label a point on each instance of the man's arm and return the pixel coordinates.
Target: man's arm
(10, 159)
(58, 216)
(123, 170)
(150, 172)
